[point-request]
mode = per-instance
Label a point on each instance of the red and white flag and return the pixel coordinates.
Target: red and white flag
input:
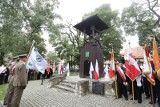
(132, 68)
(96, 72)
(60, 69)
(111, 71)
(148, 66)
(91, 70)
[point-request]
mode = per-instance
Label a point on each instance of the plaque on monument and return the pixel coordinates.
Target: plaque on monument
(87, 54)
(98, 88)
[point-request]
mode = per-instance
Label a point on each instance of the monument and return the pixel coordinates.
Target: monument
(91, 50)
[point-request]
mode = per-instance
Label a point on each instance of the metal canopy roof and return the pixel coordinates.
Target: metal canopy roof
(86, 25)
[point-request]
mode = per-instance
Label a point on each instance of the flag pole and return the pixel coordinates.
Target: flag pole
(33, 42)
(132, 80)
(152, 94)
(133, 91)
(116, 86)
(115, 76)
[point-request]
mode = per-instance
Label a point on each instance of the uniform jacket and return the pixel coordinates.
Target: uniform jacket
(10, 78)
(20, 74)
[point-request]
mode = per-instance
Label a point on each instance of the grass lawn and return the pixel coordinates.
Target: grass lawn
(3, 90)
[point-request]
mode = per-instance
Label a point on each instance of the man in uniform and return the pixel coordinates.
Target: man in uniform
(19, 81)
(10, 89)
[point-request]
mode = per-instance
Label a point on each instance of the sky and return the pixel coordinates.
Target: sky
(73, 10)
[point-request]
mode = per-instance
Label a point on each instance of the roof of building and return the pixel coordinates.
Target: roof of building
(85, 25)
(138, 52)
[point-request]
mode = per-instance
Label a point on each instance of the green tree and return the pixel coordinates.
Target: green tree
(23, 21)
(141, 19)
(52, 56)
(68, 44)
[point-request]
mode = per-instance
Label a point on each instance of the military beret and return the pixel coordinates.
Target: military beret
(23, 56)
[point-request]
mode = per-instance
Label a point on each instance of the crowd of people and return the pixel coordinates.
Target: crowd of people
(124, 85)
(17, 75)
(32, 75)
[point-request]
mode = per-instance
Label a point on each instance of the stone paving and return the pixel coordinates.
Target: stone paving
(36, 95)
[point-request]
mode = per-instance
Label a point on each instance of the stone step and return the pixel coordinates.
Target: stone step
(65, 88)
(68, 84)
(1, 104)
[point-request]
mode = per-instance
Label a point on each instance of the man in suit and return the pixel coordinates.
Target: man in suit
(19, 81)
(121, 79)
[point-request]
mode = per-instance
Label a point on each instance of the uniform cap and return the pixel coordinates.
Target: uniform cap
(23, 56)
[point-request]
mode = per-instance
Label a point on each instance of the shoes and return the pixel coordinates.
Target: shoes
(151, 102)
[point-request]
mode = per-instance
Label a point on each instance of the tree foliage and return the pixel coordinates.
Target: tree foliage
(23, 21)
(68, 44)
(141, 19)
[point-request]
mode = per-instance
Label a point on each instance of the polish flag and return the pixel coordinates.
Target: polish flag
(132, 68)
(111, 71)
(96, 72)
(91, 70)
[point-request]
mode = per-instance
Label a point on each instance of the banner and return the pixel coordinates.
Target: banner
(36, 61)
(132, 68)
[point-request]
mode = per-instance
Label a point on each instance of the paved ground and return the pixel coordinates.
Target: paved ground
(36, 95)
